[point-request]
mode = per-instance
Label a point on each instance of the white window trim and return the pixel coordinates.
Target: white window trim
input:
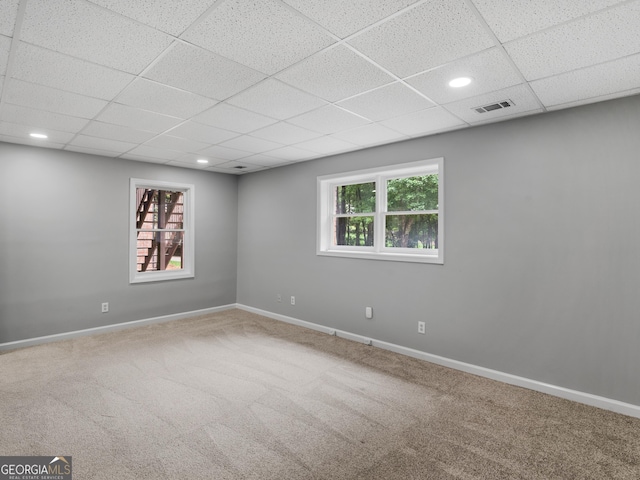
(188, 225)
(326, 185)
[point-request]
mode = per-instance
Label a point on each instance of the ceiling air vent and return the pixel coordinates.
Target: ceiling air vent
(494, 106)
(240, 167)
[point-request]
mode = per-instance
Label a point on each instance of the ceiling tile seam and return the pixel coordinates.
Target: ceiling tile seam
(623, 93)
(499, 45)
(446, 64)
(339, 41)
(15, 40)
(566, 22)
(203, 16)
(591, 65)
(397, 78)
(126, 17)
(371, 26)
(115, 99)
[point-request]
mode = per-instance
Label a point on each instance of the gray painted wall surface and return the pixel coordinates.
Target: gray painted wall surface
(542, 267)
(64, 243)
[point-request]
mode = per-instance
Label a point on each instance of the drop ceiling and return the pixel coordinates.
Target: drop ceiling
(254, 84)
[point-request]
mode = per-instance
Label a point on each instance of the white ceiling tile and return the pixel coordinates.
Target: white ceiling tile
(176, 143)
(52, 100)
(490, 70)
(160, 155)
(344, 18)
(604, 79)
(428, 121)
(205, 73)
(171, 17)
(276, 99)
(46, 67)
(373, 134)
(429, 35)
(160, 98)
(610, 34)
(202, 133)
(262, 34)
(285, 133)
(328, 120)
(192, 159)
(224, 153)
(236, 168)
(520, 95)
(290, 154)
(31, 141)
(15, 130)
(144, 158)
(136, 118)
(228, 117)
(264, 160)
(102, 144)
(251, 144)
(117, 132)
(91, 151)
(42, 119)
(8, 13)
(5, 46)
(84, 30)
(386, 102)
(335, 74)
(327, 145)
(510, 19)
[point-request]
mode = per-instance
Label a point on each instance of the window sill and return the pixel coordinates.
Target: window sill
(159, 276)
(393, 257)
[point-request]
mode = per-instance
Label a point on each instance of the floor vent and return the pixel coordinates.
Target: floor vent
(494, 106)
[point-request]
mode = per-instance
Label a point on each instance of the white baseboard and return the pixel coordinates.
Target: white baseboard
(29, 342)
(568, 394)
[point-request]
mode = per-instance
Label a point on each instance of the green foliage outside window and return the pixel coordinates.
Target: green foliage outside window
(412, 194)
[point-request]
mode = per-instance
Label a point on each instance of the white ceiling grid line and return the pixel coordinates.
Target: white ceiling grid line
(265, 83)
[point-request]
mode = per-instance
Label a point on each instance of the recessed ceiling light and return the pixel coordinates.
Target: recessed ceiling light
(460, 82)
(38, 135)
(202, 160)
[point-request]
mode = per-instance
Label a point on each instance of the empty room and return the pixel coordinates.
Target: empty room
(282, 239)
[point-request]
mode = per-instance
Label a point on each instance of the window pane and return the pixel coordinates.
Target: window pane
(159, 209)
(412, 231)
(358, 198)
(412, 193)
(353, 231)
(159, 251)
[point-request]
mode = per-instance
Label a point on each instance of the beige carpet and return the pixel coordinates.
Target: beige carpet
(239, 396)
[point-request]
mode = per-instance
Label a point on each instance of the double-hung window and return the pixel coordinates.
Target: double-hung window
(390, 213)
(161, 231)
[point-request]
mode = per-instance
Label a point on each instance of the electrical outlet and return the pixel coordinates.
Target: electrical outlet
(105, 307)
(368, 312)
(279, 298)
(293, 300)
(422, 328)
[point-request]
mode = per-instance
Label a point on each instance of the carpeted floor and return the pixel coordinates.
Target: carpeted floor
(238, 396)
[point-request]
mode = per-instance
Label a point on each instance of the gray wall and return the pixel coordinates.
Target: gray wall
(64, 243)
(542, 263)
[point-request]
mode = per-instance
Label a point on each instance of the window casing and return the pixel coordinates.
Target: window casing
(161, 231)
(389, 213)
